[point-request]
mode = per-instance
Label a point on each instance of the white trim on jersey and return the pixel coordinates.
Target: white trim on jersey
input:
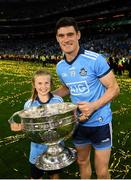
(85, 55)
(110, 126)
(91, 53)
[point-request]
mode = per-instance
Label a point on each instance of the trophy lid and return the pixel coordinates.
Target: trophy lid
(47, 110)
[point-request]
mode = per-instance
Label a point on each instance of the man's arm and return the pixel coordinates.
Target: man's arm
(112, 90)
(61, 91)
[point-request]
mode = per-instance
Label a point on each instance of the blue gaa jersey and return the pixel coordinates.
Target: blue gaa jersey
(38, 149)
(82, 76)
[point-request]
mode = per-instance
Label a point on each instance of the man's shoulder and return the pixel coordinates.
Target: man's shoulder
(90, 54)
(60, 62)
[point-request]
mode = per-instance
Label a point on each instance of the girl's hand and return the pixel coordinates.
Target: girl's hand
(16, 127)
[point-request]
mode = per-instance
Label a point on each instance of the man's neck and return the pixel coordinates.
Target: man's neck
(71, 56)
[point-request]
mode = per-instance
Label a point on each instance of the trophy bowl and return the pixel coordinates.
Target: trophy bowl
(50, 124)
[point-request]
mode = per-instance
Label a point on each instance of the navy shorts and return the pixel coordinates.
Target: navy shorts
(99, 137)
(36, 173)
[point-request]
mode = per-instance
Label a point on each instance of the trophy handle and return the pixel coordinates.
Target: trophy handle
(11, 120)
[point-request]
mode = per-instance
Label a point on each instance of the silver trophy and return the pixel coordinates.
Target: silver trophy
(50, 124)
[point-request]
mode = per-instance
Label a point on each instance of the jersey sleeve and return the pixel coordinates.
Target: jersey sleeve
(58, 99)
(27, 105)
(58, 71)
(101, 66)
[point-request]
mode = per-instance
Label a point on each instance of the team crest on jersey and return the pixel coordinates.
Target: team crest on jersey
(83, 72)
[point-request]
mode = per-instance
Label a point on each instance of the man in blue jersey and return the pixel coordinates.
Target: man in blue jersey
(87, 77)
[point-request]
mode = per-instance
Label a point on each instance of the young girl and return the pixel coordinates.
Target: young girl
(41, 87)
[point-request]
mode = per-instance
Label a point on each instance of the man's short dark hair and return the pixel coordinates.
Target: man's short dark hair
(66, 21)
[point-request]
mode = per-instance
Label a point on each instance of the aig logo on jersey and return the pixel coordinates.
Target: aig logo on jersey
(83, 72)
(78, 88)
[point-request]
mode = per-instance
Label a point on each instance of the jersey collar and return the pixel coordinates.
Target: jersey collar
(81, 51)
(50, 97)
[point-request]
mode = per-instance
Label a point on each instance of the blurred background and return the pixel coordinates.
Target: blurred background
(27, 27)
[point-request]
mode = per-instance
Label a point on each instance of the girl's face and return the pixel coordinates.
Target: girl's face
(43, 84)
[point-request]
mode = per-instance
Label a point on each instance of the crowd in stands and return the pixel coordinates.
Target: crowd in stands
(49, 8)
(116, 48)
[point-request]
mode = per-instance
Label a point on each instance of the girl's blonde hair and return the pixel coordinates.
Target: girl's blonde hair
(39, 72)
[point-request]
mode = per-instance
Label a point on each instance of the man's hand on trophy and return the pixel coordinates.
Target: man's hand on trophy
(86, 109)
(16, 126)
(83, 117)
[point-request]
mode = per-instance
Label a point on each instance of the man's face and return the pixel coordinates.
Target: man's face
(68, 38)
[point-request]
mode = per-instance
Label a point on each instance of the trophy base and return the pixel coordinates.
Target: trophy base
(49, 162)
